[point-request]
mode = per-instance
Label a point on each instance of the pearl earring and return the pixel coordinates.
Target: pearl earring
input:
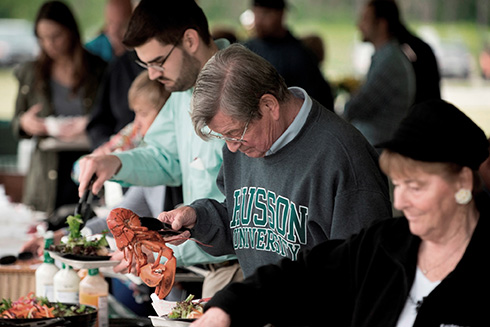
(463, 196)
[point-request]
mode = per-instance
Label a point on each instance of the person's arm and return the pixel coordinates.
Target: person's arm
(365, 103)
(207, 220)
(292, 292)
(212, 227)
(26, 121)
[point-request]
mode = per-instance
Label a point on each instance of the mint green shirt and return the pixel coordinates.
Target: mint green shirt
(174, 155)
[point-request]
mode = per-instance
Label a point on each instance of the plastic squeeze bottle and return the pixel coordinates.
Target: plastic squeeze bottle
(94, 290)
(66, 284)
(46, 271)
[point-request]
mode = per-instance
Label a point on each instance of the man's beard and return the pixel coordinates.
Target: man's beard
(188, 74)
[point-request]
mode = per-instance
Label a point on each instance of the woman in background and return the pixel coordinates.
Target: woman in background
(60, 84)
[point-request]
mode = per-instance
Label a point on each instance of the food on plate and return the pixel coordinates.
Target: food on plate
(30, 306)
(187, 309)
(80, 245)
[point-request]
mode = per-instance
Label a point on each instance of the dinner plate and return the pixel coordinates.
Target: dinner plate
(83, 262)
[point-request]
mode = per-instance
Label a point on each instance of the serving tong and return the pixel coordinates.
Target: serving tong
(162, 228)
(84, 204)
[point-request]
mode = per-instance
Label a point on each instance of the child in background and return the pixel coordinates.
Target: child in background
(146, 98)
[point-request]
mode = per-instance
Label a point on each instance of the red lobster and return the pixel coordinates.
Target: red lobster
(131, 237)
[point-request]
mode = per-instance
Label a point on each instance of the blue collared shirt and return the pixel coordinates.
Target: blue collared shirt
(298, 122)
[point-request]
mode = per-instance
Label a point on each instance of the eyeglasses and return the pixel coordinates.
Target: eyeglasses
(231, 139)
(157, 65)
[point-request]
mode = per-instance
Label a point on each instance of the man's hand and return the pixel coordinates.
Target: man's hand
(184, 216)
(214, 317)
(104, 167)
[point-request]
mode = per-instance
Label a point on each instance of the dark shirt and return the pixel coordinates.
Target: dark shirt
(424, 63)
(111, 111)
(296, 64)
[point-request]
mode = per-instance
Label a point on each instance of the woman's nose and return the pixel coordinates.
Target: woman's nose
(399, 201)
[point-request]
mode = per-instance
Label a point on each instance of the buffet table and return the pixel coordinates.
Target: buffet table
(18, 279)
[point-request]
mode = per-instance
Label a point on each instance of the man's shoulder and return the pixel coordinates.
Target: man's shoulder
(179, 98)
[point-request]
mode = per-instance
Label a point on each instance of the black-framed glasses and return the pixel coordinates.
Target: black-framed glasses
(157, 65)
(231, 139)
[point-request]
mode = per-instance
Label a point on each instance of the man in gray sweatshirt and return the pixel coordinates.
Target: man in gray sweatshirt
(294, 174)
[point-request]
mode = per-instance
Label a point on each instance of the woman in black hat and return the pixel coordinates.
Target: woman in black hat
(427, 268)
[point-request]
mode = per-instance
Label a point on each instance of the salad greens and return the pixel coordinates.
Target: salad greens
(187, 309)
(78, 244)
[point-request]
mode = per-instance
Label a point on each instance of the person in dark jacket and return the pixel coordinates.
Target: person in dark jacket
(111, 110)
(427, 268)
(296, 63)
(419, 53)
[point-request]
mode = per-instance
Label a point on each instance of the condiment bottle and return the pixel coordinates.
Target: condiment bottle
(94, 290)
(66, 285)
(46, 271)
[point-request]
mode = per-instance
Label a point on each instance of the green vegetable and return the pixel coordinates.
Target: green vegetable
(5, 304)
(74, 223)
(76, 243)
(184, 308)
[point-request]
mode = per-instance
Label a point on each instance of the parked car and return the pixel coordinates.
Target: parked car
(17, 41)
(454, 59)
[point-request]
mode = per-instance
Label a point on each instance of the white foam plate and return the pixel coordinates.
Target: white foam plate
(79, 264)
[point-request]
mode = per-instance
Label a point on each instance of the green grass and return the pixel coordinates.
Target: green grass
(8, 93)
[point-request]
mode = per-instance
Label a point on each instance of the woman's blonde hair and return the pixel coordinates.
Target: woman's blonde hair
(392, 163)
(153, 91)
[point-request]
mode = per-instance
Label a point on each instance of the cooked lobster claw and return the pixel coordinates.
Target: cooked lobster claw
(131, 237)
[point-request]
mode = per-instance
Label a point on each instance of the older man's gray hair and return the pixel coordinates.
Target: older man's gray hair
(233, 81)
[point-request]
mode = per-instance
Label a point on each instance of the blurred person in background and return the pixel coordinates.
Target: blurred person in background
(108, 44)
(484, 60)
(426, 269)
(420, 54)
(146, 98)
(294, 62)
(315, 43)
(383, 100)
(62, 82)
(111, 111)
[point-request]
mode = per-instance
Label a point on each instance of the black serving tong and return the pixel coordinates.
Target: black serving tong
(83, 208)
(162, 228)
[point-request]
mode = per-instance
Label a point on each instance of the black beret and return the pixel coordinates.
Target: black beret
(276, 4)
(437, 131)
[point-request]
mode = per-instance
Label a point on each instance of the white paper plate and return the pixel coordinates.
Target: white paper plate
(79, 264)
(164, 322)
